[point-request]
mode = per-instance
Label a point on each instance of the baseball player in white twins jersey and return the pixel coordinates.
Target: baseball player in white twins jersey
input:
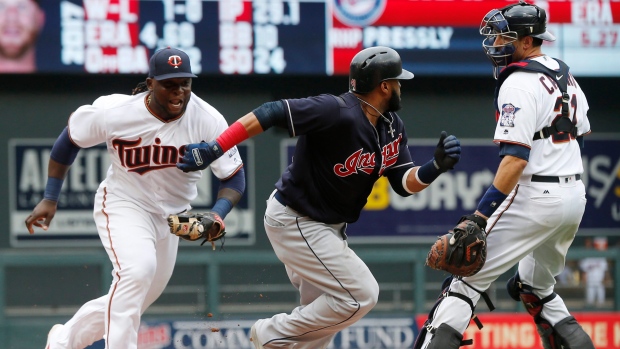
(537, 199)
(146, 134)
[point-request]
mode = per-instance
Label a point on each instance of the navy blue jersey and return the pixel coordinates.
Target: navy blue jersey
(339, 156)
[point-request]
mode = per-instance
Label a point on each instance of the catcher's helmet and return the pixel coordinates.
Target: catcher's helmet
(512, 22)
(526, 19)
(375, 64)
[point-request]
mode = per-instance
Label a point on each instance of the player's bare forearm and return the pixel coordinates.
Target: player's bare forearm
(506, 178)
(413, 184)
(57, 170)
(251, 124)
(232, 195)
(446, 155)
(508, 173)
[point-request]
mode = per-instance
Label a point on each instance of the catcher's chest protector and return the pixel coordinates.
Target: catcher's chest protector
(563, 125)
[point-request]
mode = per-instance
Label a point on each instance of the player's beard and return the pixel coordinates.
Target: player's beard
(394, 103)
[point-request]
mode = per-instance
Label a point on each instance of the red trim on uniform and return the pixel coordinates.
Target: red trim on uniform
(498, 141)
(506, 209)
(520, 64)
(232, 174)
(111, 295)
(234, 135)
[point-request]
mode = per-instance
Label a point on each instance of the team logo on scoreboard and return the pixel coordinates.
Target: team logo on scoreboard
(358, 13)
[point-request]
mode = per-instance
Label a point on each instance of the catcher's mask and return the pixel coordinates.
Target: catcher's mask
(511, 23)
(373, 65)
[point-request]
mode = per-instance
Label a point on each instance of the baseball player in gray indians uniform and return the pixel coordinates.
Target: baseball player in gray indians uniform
(345, 144)
(537, 198)
(146, 135)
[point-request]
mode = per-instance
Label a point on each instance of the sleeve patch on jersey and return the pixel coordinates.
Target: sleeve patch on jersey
(507, 118)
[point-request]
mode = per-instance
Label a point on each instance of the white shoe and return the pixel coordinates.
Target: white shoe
(52, 331)
(254, 338)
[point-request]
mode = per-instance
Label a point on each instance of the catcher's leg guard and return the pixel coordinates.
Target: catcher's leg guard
(565, 334)
(447, 331)
(572, 335)
(446, 338)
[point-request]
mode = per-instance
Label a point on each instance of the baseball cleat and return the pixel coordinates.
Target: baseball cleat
(53, 330)
(254, 338)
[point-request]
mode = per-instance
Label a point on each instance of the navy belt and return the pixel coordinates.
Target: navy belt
(551, 179)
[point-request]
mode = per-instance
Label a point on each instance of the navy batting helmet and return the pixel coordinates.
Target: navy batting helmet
(375, 64)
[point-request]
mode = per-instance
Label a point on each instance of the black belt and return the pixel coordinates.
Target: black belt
(551, 179)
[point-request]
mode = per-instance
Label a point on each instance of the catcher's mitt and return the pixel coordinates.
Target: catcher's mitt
(195, 226)
(463, 251)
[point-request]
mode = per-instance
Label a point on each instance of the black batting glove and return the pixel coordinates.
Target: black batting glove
(448, 152)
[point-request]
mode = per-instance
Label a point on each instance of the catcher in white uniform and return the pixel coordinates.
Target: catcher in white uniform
(537, 199)
(146, 134)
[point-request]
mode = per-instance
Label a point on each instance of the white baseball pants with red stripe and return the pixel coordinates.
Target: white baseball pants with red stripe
(143, 254)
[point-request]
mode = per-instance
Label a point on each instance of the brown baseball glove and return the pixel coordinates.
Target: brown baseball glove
(192, 226)
(463, 251)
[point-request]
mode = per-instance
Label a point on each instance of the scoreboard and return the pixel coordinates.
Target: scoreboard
(308, 37)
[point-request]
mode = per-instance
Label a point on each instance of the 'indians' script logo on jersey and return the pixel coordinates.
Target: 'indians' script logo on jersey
(508, 115)
(142, 159)
(365, 162)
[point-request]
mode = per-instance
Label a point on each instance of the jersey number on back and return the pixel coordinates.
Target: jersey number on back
(564, 137)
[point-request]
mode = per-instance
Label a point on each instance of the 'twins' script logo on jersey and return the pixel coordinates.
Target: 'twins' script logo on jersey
(365, 162)
(142, 159)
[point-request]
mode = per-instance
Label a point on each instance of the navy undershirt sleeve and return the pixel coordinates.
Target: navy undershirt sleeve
(236, 182)
(223, 206)
(515, 150)
(64, 151)
(580, 142)
(271, 114)
(395, 176)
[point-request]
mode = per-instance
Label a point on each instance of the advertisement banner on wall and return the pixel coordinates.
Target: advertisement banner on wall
(500, 331)
(73, 224)
(379, 333)
(390, 218)
(517, 330)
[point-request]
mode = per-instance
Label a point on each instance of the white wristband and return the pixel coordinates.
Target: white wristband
(404, 180)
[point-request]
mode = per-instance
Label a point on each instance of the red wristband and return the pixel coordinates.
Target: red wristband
(233, 135)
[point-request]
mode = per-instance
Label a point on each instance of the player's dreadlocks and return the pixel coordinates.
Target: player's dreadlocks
(141, 87)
